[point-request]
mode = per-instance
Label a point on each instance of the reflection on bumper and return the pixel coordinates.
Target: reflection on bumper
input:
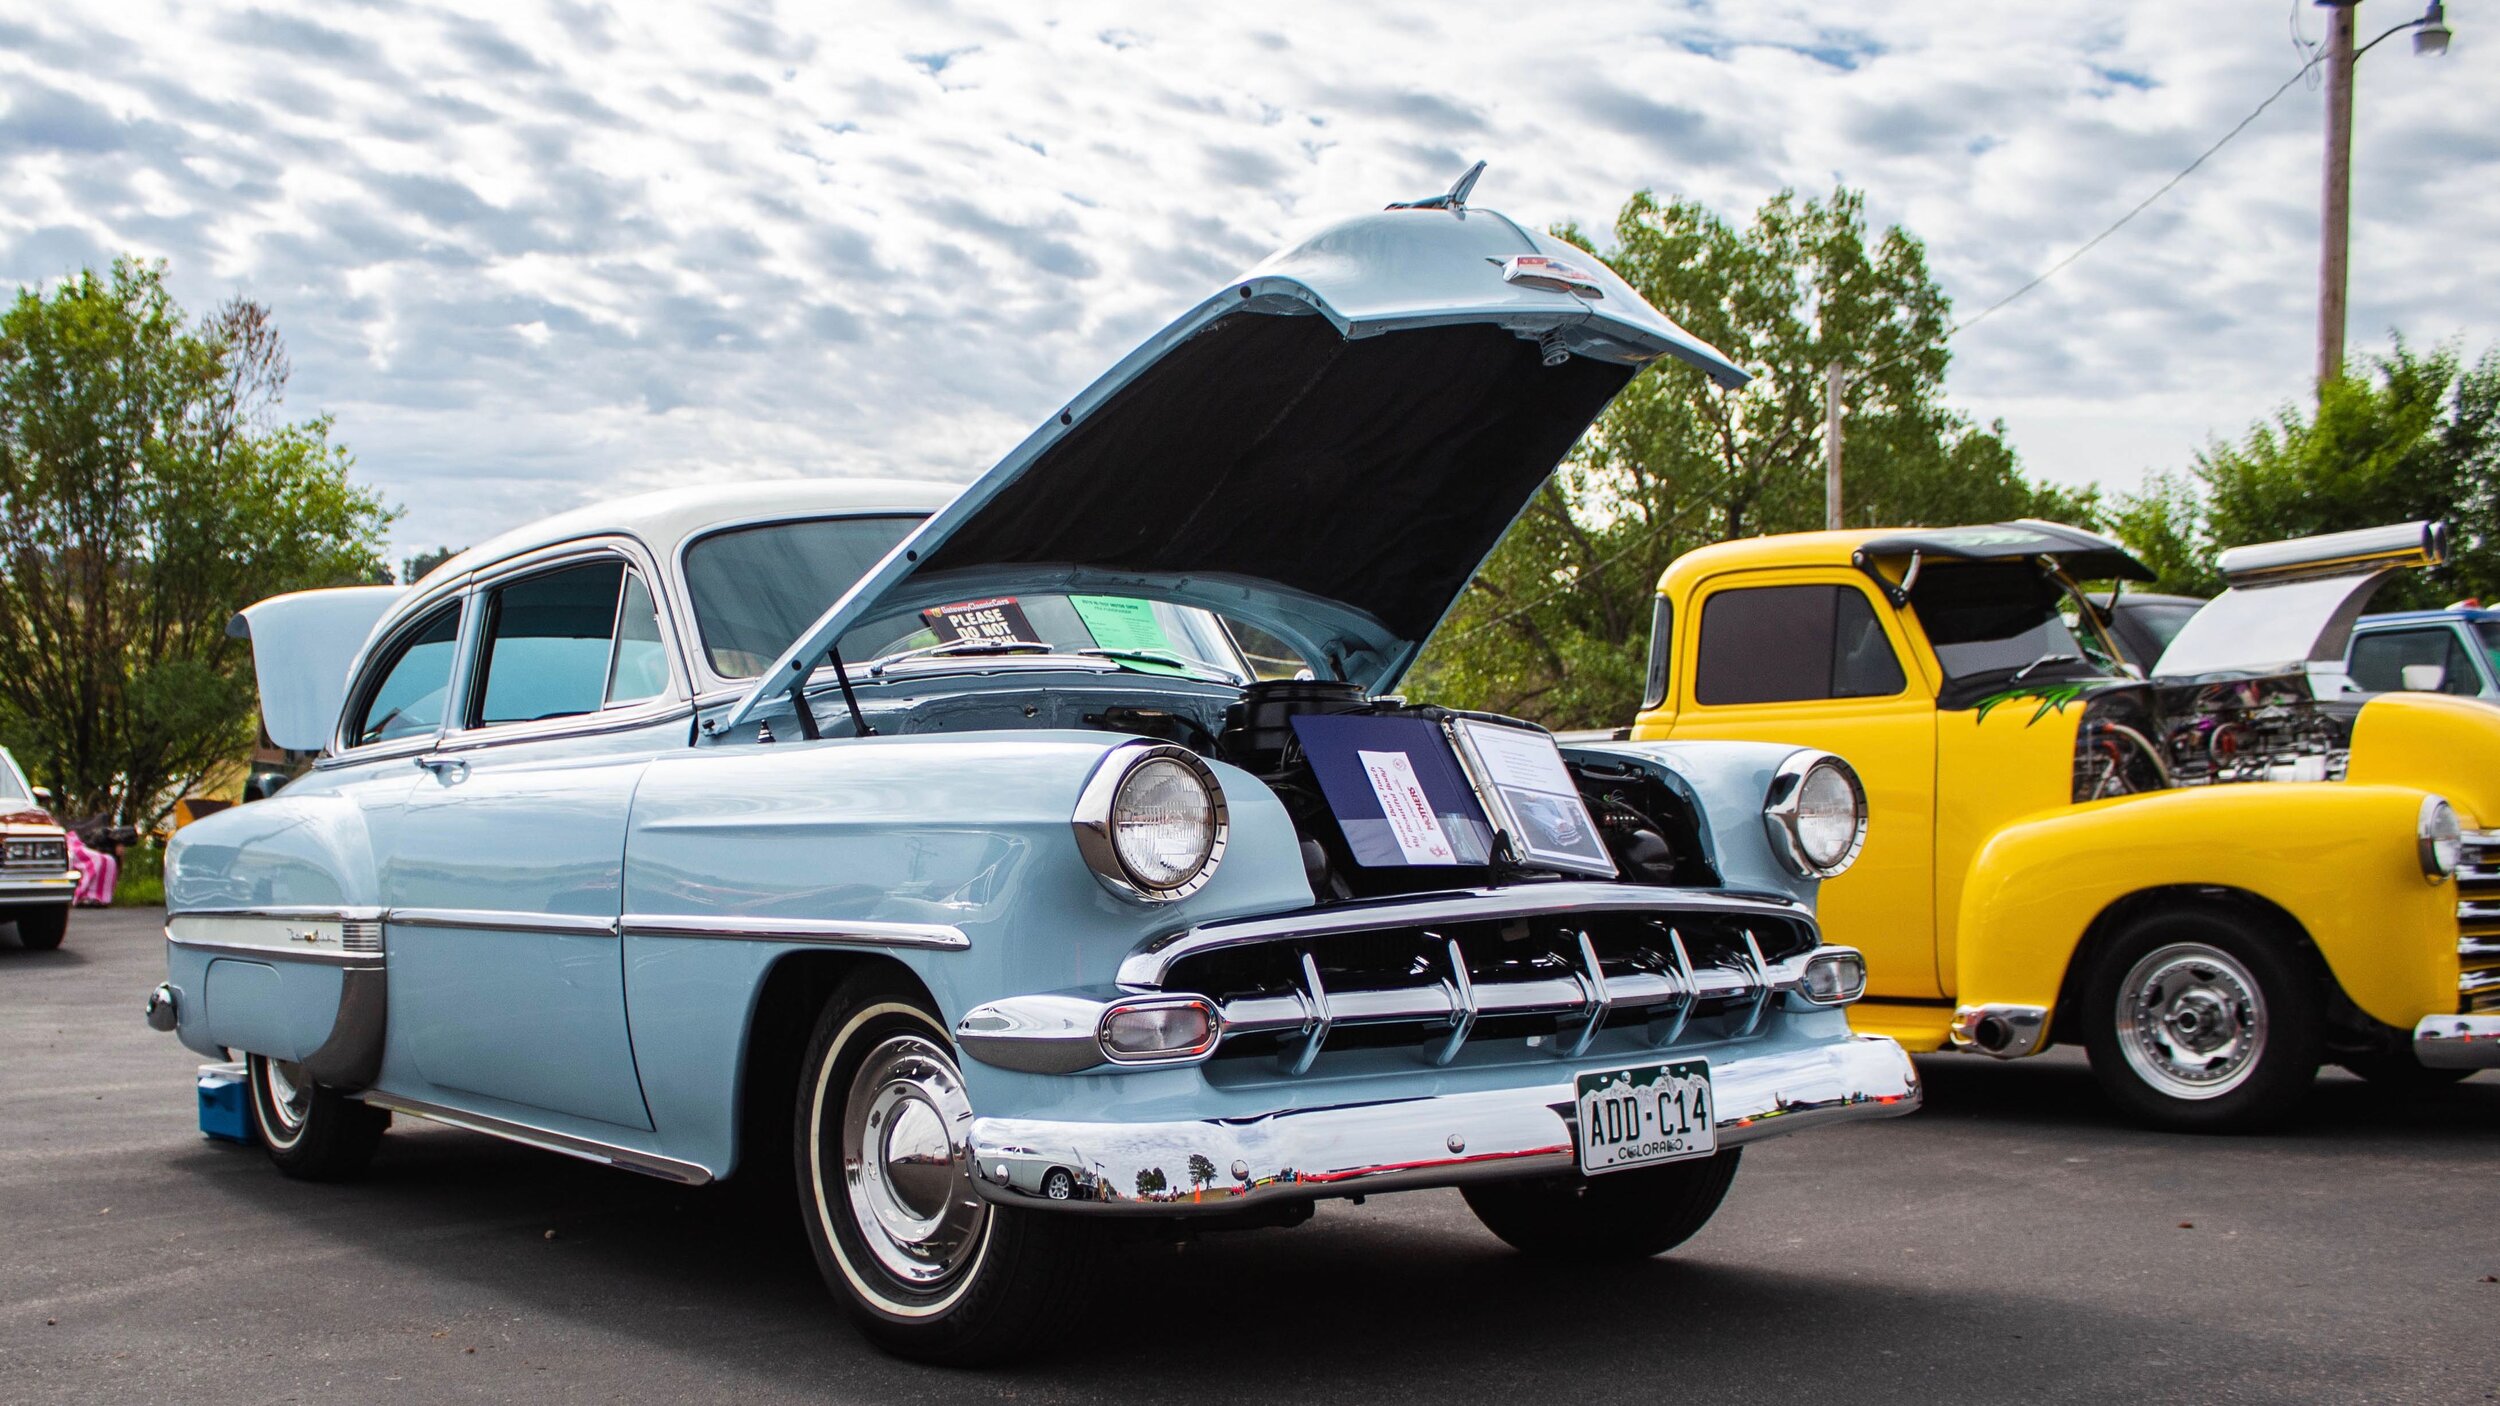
(2458, 1041)
(16, 891)
(1398, 1144)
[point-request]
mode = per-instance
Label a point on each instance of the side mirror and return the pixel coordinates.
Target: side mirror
(43, 796)
(2425, 678)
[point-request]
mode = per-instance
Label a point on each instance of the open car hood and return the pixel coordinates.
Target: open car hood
(1327, 448)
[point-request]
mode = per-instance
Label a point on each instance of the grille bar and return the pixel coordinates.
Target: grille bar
(2478, 923)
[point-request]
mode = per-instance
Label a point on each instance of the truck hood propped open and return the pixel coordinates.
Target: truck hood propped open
(1327, 448)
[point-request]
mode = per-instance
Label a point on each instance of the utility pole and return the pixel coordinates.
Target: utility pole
(1832, 388)
(2336, 207)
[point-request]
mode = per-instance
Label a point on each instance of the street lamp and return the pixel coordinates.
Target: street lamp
(2430, 36)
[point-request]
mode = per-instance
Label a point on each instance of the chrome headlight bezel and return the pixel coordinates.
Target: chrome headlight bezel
(2439, 839)
(1780, 806)
(1096, 805)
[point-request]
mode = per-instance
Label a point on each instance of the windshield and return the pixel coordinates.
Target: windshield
(1154, 637)
(2000, 619)
(12, 785)
(2488, 631)
(755, 589)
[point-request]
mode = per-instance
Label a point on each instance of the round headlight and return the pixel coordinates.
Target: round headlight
(1816, 814)
(1151, 822)
(2442, 839)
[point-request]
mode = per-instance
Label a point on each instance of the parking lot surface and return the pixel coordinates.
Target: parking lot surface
(2015, 1241)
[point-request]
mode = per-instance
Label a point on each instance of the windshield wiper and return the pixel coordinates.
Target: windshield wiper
(2052, 658)
(949, 648)
(1205, 668)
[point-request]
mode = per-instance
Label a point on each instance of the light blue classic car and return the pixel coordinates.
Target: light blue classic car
(1011, 865)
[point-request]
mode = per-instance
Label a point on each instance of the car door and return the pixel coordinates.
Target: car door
(1811, 658)
(506, 873)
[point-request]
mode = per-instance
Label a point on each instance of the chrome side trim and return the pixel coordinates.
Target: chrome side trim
(2458, 1041)
(2007, 1032)
(1153, 959)
(303, 912)
(502, 920)
(327, 956)
(828, 932)
(629, 1159)
(1360, 1147)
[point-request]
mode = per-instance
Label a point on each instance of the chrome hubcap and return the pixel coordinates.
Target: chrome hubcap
(290, 1095)
(907, 1162)
(2191, 1021)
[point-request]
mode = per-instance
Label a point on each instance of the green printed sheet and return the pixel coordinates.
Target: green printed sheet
(1121, 624)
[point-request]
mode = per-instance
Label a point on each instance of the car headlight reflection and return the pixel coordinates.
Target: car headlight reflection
(2441, 839)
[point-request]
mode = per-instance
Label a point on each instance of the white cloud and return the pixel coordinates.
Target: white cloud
(529, 254)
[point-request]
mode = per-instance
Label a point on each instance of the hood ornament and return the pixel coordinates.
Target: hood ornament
(1453, 200)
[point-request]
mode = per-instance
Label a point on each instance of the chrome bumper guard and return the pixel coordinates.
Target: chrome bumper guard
(1400, 1144)
(2458, 1041)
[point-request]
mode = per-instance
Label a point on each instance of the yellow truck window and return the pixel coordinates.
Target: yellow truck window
(1789, 644)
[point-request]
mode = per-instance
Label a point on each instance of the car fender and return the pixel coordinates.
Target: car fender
(1729, 783)
(952, 855)
(2341, 860)
(2435, 742)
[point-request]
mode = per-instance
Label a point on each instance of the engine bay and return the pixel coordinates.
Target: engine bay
(2148, 737)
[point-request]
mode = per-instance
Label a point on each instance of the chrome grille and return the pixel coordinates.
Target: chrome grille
(2478, 923)
(35, 856)
(1548, 980)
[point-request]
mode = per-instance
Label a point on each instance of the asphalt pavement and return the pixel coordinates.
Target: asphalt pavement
(2015, 1241)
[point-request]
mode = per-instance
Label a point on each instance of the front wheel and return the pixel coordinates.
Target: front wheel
(41, 929)
(1626, 1215)
(311, 1133)
(2197, 1020)
(929, 1269)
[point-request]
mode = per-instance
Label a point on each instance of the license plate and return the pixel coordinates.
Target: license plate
(1645, 1115)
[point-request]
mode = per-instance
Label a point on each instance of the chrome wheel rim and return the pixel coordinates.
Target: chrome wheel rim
(288, 1098)
(2191, 1021)
(1059, 1187)
(907, 1163)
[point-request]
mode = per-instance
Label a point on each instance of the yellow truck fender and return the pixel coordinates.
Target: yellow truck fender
(2336, 864)
(2442, 744)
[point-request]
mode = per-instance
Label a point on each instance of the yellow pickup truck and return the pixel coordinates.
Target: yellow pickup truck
(2216, 878)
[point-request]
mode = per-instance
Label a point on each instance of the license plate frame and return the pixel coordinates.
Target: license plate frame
(1644, 1115)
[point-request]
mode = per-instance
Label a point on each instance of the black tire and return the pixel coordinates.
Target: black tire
(2204, 973)
(2397, 1069)
(1628, 1215)
(1060, 1185)
(1013, 1278)
(41, 929)
(311, 1133)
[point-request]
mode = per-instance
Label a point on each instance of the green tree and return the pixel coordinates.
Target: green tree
(148, 489)
(1201, 1170)
(1557, 623)
(413, 569)
(2417, 435)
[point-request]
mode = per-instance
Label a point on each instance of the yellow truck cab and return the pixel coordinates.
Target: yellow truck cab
(2215, 879)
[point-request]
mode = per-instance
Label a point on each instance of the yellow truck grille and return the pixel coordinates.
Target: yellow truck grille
(2478, 923)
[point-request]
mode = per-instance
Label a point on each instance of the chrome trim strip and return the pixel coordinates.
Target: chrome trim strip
(301, 912)
(546, 1140)
(330, 956)
(1366, 1145)
(829, 932)
(501, 920)
(1152, 960)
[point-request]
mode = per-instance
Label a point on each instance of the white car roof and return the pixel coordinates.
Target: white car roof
(664, 520)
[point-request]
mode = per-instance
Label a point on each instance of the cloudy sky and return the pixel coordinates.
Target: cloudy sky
(531, 253)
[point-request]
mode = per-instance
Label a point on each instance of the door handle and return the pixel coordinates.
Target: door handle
(448, 769)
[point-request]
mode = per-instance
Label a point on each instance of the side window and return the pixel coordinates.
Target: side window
(2380, 662)
(1661, 653)
(640, 668)
(549, 645)
(1789, 644)
(408, 702)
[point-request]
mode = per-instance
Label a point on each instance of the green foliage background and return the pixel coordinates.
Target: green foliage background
(148, 489)
(1556, 625)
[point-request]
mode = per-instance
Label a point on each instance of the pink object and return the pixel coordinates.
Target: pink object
(98, 873)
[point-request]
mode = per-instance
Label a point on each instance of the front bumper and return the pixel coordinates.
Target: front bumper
(20, 891)
(1355, 1149)
(2457, 1041)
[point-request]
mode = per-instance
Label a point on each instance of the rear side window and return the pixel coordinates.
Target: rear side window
(566, 642)
(1789, 644)
(1661, 653)
(408, 702)
(2436, 657)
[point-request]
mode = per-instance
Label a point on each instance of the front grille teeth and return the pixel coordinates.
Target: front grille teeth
(2478, 923)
